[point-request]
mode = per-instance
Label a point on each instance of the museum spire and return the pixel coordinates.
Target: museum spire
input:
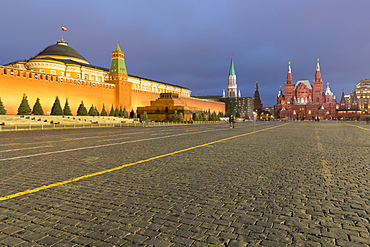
(289, 77)
(318, 72)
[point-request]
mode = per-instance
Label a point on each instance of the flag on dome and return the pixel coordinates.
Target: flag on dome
(64, 29)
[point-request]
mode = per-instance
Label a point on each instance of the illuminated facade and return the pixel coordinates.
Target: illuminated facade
(303, 101)
(362, 92)
(59, 70)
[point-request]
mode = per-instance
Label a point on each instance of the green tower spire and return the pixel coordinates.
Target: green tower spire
(117, 64)
(232, 69)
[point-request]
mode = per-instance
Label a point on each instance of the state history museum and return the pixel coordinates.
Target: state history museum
(305, 101)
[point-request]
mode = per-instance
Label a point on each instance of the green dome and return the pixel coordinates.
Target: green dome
(60, 49)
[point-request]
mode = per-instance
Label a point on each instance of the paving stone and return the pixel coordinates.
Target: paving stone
(98, 236)
(236, 243)
(183, 241)
(11, 241)
(157, 242)
(217, 195)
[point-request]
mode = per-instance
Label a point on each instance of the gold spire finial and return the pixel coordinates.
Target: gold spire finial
(289, 62)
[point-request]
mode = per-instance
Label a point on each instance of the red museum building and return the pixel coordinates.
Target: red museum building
(303, 101)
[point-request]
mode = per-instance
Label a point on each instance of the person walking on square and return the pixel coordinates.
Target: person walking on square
(232, 121)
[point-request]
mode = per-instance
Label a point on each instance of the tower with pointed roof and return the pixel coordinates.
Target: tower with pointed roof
(118, 75)
(231, 85)
(343, 102)
(317, 86)
(257, 104)
(305, 101)
(235, 104)
(289, 85)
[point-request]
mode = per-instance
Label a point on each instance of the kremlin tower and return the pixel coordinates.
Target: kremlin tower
(231, 86)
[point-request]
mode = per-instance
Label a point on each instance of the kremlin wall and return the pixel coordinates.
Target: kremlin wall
(61, 71)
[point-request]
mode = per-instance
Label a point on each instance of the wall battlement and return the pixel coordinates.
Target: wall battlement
(19, 73)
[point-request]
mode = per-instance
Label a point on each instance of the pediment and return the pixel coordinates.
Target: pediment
(303, 84)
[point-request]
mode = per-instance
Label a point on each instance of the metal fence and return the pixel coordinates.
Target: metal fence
(96, 125)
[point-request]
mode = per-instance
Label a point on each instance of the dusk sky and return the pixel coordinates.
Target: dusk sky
(188, 43)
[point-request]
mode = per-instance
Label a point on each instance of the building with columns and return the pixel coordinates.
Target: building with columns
(59, 70)
(305, 101)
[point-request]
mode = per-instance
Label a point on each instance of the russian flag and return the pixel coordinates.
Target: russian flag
(64, 29)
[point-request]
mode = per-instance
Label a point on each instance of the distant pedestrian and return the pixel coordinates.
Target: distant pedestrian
(232, 121)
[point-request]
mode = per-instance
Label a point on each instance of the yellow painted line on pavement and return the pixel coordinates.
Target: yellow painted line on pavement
(127, 165)
(357, 126)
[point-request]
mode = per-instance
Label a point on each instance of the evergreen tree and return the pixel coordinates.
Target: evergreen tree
(116, 112)
(214, 116)
(92, 111)
(125, 115)
(135, 115)
(97, 112)
(145, 116)
(82, 111)
(56, 109)
(66, 110)
(196, 118)
(219, 116)
(120, 112)
(24, 108)
(181, 117)
(2, 108)
(111, 113)
(103, 112)
(175, 117)
(37, 108)
(202, 116)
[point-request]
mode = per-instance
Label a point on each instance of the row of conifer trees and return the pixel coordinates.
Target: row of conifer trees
(25, 109)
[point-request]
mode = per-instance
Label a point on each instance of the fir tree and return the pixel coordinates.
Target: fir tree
(202, 116)
(125, 115)
(145, 116)
(175, 117)
(82, 111)
(24, 108)
(181, 117)
(111, 113)
(56, 109)
(97, 112)
(213, 116)
(2, 108)
(67, 110)
(116, 112)
(196, 118)
(92, 111)
(37, 108)
(120, 113)
(103, 112)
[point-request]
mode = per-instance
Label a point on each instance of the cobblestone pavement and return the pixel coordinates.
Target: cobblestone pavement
(260, 184)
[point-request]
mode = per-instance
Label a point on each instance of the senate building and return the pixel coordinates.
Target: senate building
(61, 71)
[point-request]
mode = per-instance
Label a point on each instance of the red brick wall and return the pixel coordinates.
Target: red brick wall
(15, 83)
